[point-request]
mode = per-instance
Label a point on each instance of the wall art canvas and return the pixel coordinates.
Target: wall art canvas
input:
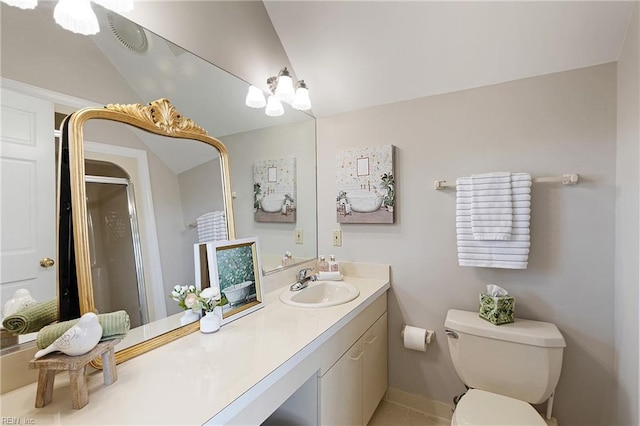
(274, 190)
(366, 185)
(233, 267)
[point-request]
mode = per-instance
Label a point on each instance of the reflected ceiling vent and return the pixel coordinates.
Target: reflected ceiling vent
(131, 35)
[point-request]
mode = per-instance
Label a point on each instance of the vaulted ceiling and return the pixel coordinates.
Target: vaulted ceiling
(358, 54)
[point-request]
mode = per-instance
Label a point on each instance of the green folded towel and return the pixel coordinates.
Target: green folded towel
(32, 318)
(115, 325)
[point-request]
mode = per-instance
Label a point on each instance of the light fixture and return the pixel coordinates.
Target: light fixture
(77, 15)
(255, 98)
(284, 86)
(274, 107)
(22, 4)
(281, 88)
(301, 101)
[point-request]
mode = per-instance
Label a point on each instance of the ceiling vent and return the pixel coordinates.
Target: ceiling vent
(131, 35)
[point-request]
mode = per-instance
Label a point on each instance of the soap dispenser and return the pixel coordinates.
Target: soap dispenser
(323, 265)
(333, 265)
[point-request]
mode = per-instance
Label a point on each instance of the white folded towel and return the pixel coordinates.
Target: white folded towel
(487, 192)
(329, 276)
(512, 253)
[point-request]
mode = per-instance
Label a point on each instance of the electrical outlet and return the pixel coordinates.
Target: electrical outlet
(337, 238)
(298, 236)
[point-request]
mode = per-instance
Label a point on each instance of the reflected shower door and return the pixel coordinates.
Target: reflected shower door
(114, 243)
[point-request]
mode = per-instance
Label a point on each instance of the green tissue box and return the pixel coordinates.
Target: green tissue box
(497, 309)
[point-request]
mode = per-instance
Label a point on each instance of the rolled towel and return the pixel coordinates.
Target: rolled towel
(32, 318)
(115, 325)
(329, 276)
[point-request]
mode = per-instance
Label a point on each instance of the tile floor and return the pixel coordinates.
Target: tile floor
(389, 414)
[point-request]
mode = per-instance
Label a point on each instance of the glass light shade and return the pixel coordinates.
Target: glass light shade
(301, 100)
(76, 16)
(274, 107)
(255, 98)
(118, 6)
(284, 89)
(22, 4)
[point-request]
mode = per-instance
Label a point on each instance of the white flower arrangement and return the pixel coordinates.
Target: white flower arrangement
(209, 298)
(186, 296)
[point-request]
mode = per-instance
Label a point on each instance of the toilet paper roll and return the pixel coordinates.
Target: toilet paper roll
(415, 338)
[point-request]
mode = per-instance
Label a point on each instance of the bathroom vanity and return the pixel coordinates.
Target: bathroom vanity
(324, 366)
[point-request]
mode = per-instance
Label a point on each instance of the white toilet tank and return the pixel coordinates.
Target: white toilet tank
(521, 360)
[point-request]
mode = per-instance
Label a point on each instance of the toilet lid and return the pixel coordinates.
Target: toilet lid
(479, 407)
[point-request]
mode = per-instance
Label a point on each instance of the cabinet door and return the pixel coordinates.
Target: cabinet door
(341, 389)
(374, 381)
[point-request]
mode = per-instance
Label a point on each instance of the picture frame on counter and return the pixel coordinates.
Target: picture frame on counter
(234, 267)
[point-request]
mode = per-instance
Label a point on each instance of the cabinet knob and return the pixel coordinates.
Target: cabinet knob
(47, 262)
(371, 339)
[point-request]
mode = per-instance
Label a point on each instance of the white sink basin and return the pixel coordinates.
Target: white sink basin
(321, 294)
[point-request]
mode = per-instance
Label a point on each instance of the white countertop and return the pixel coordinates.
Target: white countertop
(197, 377)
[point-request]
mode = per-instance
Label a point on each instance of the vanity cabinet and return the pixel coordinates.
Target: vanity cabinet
(350, 390)
(374, 367)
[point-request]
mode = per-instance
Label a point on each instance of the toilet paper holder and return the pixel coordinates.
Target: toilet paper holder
(427, 338)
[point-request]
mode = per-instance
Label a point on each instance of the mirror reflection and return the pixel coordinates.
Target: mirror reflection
(68, 71)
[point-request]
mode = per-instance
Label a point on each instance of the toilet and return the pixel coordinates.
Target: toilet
(506, 368)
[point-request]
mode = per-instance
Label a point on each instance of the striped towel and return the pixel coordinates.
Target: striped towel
(212, 226)
(491, 206)
(512, 253)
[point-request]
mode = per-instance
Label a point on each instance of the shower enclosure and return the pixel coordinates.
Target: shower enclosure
(114, 243)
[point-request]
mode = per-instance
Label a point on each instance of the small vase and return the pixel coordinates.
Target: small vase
(210, 323)
(189, 317)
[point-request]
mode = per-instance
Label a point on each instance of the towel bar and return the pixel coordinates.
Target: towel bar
(565, 179)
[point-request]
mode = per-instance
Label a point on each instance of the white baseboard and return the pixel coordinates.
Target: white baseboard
(419, 403)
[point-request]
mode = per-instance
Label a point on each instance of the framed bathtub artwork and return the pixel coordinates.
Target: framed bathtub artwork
(274, 190)
(366, 185)
(234, 267)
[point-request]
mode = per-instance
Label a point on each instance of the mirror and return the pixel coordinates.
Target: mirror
(110, 257)
(72, 71)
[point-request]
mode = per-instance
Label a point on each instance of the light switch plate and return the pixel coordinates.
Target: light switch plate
(337, 238)
(298, 236)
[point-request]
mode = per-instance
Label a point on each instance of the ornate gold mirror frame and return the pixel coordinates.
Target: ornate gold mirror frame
(159, 117)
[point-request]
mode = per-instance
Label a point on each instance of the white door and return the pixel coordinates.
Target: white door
(27, 197)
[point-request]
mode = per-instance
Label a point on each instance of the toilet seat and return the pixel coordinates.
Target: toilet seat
(478, 407)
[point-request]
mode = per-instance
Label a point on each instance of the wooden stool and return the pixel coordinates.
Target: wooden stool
(77, 366)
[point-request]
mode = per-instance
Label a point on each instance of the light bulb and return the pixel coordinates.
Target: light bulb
(118, 6)
(284, 88)
(274, 107)
(22, 4)
(255, 98)
(301, 101)
(76, 16)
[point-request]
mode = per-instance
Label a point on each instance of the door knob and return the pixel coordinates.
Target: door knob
(46, 262)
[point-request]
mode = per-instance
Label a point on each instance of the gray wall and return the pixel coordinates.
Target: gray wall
(627, 227)
(285, 141)
(547, 126)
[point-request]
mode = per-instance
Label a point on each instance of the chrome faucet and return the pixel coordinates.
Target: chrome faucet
(303, 280)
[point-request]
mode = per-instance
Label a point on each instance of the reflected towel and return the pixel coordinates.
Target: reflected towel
(115, 325)
(32, 318)
(212, 226)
